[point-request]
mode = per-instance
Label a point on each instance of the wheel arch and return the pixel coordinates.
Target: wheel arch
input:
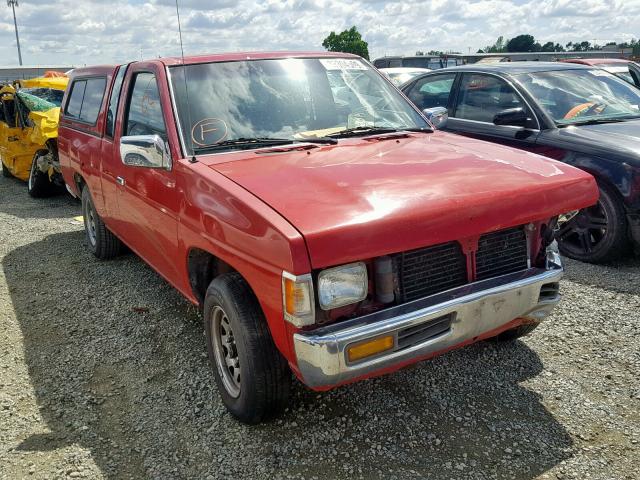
(202, 267)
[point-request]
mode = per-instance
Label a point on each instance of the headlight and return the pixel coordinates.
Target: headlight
(342, 285)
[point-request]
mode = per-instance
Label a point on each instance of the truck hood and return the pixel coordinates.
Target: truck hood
(368, 197)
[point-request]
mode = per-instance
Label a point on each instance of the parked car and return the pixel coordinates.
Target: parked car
(417, 61)
(585, 117)
(339, 240)
(28, 133)
(627, 70)
(402, 75)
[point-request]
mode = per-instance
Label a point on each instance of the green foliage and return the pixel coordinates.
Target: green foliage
(497, 47)
(523, 43)
(348, 41)
(552, 47)
(582, 46)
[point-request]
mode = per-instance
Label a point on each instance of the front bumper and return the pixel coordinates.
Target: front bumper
(424, 327)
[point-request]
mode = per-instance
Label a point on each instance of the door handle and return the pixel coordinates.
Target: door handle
(120, 181)
(12, 139)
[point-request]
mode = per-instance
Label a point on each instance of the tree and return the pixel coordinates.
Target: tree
(552, 47)
(497, 47)
(522, 43)
(348, 41)
(582, 46)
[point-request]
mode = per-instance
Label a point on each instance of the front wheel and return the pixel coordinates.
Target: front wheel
(598, 233)
(38, 184)
(102, 243)
(253, 379)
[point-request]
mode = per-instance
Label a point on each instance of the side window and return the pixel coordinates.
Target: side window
(482, 96)
(432, 91)
(114, 100)
(75, 99)
(144, 114)
(93, 94)
(85, 99)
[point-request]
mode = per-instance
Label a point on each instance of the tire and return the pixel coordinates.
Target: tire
(5, 171)
(102, 243)
(597, 234)
(515, 333)
(253, 379)
(38, 183)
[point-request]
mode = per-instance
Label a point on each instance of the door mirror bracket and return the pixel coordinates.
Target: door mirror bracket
(149, 151)
(513, 117)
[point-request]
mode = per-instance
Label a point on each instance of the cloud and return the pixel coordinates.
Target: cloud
(95, 31)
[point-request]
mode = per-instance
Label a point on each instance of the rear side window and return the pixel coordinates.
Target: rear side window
(114, 100)
(85, 99)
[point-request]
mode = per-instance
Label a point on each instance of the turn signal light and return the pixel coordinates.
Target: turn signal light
(297, 299)
(369, 348)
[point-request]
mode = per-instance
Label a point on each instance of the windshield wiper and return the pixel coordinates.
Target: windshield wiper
(596, 121)
(356, 131)
(246, 143)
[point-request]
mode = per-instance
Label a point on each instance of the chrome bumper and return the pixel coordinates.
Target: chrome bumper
(435, 323)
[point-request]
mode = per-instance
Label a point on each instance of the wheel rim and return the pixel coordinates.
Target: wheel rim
(225, 351)
(90, 222)
(585, 232)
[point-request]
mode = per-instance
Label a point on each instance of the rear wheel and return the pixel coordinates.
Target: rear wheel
(38, 184)
(253, 379)
(598, 233)
(102, 243)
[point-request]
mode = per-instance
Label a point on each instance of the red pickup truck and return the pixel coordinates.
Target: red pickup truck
(317, 218)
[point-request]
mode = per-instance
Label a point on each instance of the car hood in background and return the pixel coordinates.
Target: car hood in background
(364, 198)
(617, 139)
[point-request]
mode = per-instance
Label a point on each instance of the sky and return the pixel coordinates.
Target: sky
(86, 32)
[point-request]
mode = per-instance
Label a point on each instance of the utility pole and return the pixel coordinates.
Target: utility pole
(13, 4)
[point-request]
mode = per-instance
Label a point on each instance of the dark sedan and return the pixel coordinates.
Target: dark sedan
(580, 115)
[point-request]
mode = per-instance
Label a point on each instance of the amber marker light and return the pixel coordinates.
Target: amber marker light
(369, 348)
(297, 299)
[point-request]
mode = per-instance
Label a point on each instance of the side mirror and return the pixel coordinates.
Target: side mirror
(438, 116)
(514, 117)
(149, 151)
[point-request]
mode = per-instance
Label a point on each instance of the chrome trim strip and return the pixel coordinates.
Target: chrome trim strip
(176, 116)
(476, 309)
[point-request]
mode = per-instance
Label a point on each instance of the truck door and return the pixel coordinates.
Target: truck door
(111, 162)
(148, 202)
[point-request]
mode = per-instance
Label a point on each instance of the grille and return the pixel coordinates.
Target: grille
(430, 270)
(500, 253)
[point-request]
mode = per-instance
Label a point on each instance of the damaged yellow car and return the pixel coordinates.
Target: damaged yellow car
(29, 133)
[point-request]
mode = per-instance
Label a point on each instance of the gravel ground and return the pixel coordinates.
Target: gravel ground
(103, 374)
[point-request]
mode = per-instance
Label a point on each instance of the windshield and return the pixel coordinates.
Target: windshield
(292, 99)
(582, 95)
(621, 71)
(398, 78)
(49, 94)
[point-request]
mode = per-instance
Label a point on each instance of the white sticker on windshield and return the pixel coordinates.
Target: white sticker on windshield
(599, 73)
(342, 64)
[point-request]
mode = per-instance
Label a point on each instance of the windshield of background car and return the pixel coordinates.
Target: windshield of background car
(582, 95)
(49, 94)
(622, 71)
(291, 98)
